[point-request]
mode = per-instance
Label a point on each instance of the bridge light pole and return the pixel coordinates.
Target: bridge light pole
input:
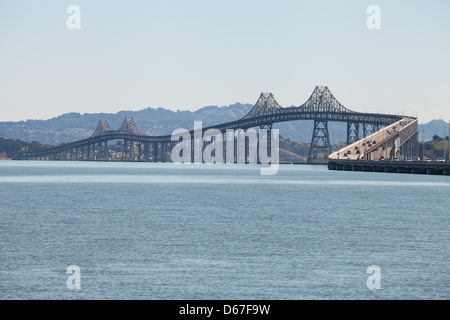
(445, 145)
(385, 145)
(423, 143)
(364, 151)
(447, 142)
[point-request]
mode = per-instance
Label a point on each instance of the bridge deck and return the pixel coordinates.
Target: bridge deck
(380, 144)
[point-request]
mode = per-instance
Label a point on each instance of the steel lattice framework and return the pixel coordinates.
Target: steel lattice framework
(266, 105)
(102, 128)
(322, 100)
(130, 127)
(321, 107)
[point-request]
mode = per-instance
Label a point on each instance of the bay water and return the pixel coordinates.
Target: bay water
(166, 231)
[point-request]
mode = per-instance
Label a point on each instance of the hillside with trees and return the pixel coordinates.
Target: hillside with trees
(434, 149)
(10, 146)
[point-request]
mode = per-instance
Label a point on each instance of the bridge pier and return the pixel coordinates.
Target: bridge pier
(104, 149)
(347, 167)
(403, 170)
(145, 151)
(269, 140)
(128, 152)
(173, 144)
(352, 132)
(139, 151)
(320, 143)
(164, 152)
(418, 171)
(150, 152)
(235, 148)
(368, 129)
(229, 146)
(157, 152)
(390, 170)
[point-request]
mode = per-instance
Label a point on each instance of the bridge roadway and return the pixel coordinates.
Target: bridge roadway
(384, 144)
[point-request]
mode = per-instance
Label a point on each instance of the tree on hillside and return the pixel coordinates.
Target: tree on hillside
(35, 146)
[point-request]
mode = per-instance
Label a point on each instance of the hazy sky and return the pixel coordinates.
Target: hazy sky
(129, 55)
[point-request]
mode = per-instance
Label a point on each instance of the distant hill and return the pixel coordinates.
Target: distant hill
(432, 128)
(9, 146)
(158, 121)
(434, 149)
(293, 151)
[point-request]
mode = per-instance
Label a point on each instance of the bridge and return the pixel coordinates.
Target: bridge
(321, 108)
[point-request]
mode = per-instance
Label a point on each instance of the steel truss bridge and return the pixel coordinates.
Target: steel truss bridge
(321, 107)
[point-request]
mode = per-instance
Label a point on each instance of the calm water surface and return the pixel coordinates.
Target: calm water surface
(165, 231)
